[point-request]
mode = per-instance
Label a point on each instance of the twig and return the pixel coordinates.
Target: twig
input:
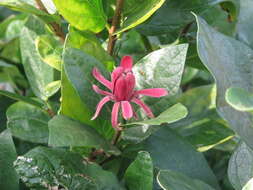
(116, 137)
(115, 23)
(56, 27)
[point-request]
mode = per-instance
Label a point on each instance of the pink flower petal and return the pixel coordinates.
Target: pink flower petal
(144, 107)
(127, 62)
(99, 91)
(127, 111)
(116, 74)
(97, 75)
(153, 92)
(100, 105)
(115, 113)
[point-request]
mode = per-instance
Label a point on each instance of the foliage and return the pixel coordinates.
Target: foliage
(200, 137)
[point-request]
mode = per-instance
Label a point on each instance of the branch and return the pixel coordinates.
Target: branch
(115, 23)
(56, 27)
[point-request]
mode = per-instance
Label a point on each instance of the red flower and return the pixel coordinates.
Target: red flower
(122, 92)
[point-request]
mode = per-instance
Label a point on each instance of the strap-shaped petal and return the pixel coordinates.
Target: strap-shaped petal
(127, 110)
(127, 62)
(115, 113)
(153, 92)
(100, 106)
(97, 75)
(99, 91)
(143, 106)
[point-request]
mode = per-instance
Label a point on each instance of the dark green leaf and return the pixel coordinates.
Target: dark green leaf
(139, 175)
(230, 62)
(67, 132)
(22, 98)
(84, 14)
(170, 180)
(28, 122)
(240, 169)
(8, 177)
(38, 73)
(170, 151)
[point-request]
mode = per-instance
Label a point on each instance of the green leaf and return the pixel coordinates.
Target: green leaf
(170, 180)
(171, 115)
(170, 151)
(162, 68)
(22, 98)
(244, 24)
(249, 185)
(84, 14)
(229, 69)
(90, 44)
(139, 175)
(240, 169)
(38, 73)
(64, 131)
(136, 12)
(23, 6)
(50, 50)
(239, 99)
(44, 167)
(28, 122)
(53, 87)
(8, 177)
(178, 15)
(78, 68)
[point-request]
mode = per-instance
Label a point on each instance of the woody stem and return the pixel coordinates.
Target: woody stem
(115, 23)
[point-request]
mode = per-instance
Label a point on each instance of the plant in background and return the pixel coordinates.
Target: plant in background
(69, 70)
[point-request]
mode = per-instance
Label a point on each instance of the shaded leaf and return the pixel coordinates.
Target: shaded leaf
(170, 180)
(240, 169)
(8, 177)
(67, 132)
(28, 122)
(139, 175)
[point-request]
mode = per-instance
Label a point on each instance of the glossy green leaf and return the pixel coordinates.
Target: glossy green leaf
(162, 68)
(230, 62)
(240, 169)
(64, 131)
(139, 175)
(136, 12)
(84, 14)
(50, 50)
(46, 167)
(8, 177)
(171, 115)
(78, 68)
(90, 44)
(249, 185)
(239, 99)
(26, 7)
(244, 24)
(28, 122)
(38, 73)
(170, 180)
(22, 98)
(170, 151)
